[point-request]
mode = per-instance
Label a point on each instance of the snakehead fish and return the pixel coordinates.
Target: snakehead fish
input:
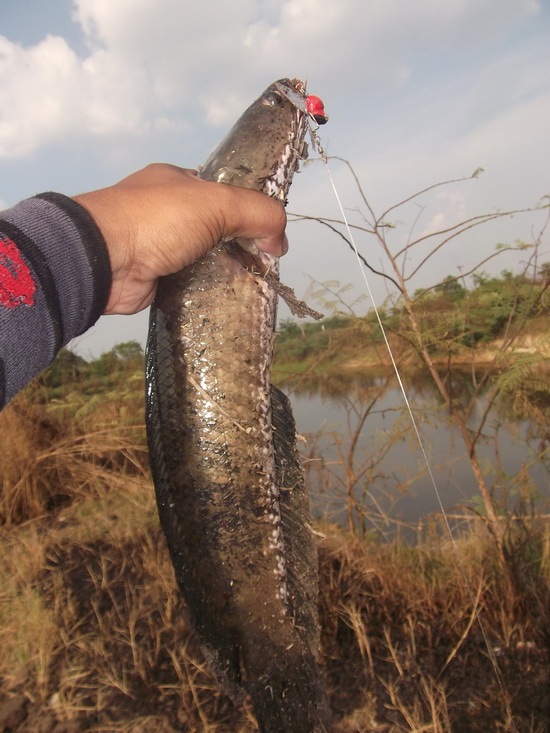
(222, 444)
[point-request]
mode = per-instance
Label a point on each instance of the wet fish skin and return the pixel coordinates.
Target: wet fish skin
(223, 451)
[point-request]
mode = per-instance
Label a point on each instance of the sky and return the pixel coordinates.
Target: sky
(417, 93)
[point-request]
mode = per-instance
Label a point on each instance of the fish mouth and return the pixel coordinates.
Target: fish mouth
(292, 90)
(298, 85)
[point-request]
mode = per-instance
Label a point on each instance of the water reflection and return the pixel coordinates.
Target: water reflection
(363, 459)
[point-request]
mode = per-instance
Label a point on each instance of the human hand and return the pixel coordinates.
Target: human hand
(162, 218)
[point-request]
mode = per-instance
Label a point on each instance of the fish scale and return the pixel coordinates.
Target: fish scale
(222, 444)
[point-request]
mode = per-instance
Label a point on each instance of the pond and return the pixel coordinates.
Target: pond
(360, 443)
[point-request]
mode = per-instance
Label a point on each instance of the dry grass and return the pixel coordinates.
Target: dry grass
(405, 643)
(93, 631)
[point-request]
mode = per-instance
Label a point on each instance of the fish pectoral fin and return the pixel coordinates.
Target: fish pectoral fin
(297, 307)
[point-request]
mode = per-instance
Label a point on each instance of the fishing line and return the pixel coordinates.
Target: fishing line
(416, 430)
(389, 350)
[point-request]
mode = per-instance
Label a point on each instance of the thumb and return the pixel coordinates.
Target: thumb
(257, 217)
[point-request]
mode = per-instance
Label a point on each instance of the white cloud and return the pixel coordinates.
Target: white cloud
(35, 86)
(50, 95)
(450, 210)
(148, 61)
(220, 110)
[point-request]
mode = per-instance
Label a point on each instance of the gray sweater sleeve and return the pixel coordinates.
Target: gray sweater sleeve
(55, 279)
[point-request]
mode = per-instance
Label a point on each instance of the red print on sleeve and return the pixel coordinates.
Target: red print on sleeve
(17, 286)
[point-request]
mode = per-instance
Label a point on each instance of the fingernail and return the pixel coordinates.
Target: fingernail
(272, 246)
(285, 245)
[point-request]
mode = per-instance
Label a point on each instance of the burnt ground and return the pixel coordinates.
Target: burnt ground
(397, 656)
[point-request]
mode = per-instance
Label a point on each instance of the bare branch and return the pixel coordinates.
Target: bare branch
(464, 226)
(475, 174)
(358, 184)
(462, 275)
(443, 243)
(329, 225)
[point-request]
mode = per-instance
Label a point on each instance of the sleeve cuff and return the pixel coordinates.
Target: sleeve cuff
(64, 245)
(55, 279)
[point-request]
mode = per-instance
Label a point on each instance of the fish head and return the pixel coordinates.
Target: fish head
(265, 146)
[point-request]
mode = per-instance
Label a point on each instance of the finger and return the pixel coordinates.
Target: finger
(273, 245)
(255, 216)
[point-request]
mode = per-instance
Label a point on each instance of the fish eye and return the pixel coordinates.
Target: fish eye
(272, 99)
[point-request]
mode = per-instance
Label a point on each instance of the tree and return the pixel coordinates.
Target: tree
(128, 351)
(124, 357)
(66, 367)
(404, 264)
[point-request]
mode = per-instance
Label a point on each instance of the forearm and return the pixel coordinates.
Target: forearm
(64, 262)
(55, 280)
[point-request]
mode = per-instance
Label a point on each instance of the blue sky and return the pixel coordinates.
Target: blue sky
(416, 92)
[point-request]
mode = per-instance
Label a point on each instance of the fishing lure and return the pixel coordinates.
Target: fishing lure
(316, 109)
(308, 103)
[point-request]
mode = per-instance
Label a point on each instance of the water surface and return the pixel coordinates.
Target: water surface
(388, 472)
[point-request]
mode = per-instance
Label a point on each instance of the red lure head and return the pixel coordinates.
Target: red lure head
(316, 109)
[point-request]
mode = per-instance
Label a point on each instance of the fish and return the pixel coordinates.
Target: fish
(223, 446)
